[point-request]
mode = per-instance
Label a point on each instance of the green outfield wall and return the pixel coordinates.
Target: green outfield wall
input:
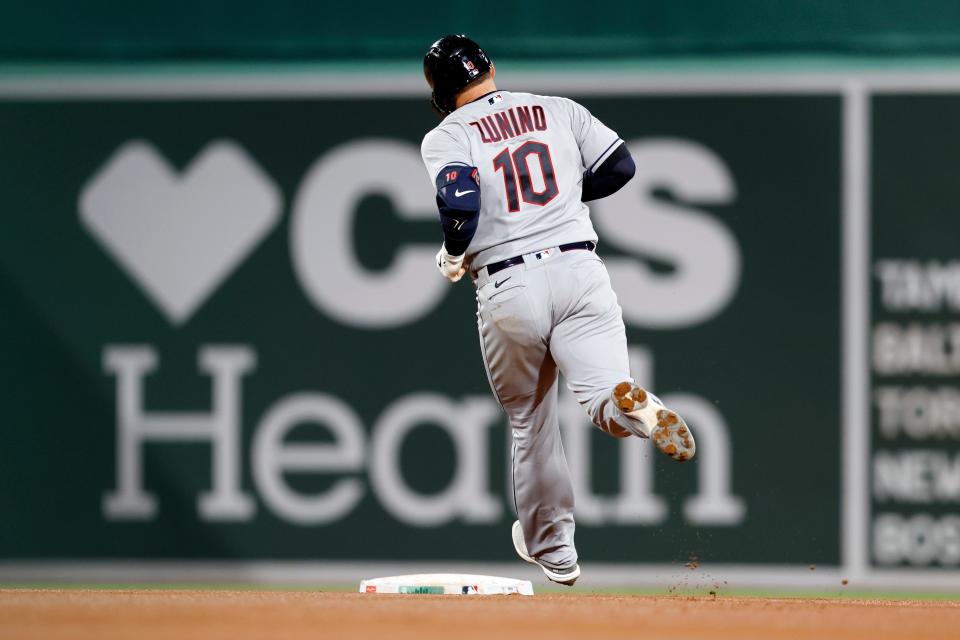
(225, 338)
(247, 30)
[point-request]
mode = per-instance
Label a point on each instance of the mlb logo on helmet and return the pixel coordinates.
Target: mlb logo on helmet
(471, 68)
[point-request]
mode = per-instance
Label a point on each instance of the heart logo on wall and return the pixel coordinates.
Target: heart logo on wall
(179, 236)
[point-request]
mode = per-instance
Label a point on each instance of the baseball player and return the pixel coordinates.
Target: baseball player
(512, 173)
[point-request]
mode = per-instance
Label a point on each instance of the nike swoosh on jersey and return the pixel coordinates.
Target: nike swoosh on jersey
(459, 193)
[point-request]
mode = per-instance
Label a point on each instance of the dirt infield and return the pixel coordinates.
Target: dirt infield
(238, 615)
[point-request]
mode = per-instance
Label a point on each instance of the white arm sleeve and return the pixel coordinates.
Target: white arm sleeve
(595, 139)
(440, 148)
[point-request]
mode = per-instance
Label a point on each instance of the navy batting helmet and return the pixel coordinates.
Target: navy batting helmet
(451, 64)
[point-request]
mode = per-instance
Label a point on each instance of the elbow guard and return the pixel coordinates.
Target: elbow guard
(458, 199)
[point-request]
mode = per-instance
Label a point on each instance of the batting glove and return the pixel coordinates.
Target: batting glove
(450, 266)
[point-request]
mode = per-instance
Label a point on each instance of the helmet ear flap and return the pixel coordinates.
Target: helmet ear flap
(436, 107)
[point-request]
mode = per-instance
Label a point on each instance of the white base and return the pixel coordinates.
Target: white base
(460, 584)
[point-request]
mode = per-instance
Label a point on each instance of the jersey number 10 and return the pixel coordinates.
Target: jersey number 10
(516, 170)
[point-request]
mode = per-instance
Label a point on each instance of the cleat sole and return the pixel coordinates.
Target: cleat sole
(673, 437)
(629, 397)
(668, 431)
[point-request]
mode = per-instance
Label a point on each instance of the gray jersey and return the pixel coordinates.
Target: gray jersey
(531, 152)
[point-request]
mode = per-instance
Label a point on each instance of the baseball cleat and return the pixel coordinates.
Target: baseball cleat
(665, 427)
(560, 576)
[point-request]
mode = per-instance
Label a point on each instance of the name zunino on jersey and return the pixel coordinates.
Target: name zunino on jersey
(510, 123)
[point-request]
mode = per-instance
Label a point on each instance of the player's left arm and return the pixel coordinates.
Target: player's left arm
(610, 176)
(604, 154)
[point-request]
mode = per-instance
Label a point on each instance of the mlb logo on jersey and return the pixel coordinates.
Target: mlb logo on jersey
(495, 99)
(543, 255)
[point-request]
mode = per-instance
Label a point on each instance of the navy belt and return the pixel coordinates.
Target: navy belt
(509, 262)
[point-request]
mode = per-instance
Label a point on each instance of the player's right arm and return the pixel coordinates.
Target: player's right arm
(608, 164)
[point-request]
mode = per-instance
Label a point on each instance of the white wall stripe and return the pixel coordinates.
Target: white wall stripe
(320, 84)
(595, 575)
(855, 288)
